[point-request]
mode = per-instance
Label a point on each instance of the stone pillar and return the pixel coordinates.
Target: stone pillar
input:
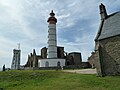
(34, 58)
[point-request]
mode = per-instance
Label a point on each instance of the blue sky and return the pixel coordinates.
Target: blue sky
(25, 22)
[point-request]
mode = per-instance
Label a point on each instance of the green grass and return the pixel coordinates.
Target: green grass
(56, 80)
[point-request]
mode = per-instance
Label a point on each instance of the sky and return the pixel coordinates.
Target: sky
(25, 22)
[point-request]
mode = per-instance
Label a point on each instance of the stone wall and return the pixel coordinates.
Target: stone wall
(77, 58)
(91, 59)
(83, 65)
(44, 52)
(98, 60)
(108, 56)
(60, 52)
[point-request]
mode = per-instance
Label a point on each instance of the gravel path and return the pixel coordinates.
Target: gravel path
(82, 71)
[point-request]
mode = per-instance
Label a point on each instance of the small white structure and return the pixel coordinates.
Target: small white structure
(52, 60)
(16, 59)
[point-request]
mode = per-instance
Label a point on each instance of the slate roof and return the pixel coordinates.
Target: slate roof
(109, 27)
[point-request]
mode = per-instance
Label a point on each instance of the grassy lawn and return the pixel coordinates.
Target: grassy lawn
(55, 80)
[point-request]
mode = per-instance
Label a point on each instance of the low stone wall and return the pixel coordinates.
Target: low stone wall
(42, 68)
(49, 68)
(83, 65)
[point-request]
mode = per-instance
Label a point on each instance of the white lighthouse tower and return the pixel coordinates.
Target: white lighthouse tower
(52, 41)
(52, 60)
(16, 58)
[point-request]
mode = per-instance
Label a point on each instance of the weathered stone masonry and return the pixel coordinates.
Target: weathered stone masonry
(107, 44)
(111, 55)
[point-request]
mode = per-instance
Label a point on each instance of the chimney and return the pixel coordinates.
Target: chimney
(103, 12)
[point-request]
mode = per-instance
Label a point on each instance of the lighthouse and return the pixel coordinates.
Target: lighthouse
(52, 40)
(52, 60)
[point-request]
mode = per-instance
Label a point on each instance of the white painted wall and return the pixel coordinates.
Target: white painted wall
(52, 62)
(52, 41)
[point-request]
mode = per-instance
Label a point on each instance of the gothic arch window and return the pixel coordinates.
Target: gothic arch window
(46, 64)
(58, 64)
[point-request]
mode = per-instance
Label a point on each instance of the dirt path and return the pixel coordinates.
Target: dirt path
(82, 71)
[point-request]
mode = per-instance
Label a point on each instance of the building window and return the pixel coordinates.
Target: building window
(47, 64)
(58, 64)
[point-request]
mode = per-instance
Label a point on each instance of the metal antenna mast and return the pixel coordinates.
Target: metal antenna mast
(18, 46)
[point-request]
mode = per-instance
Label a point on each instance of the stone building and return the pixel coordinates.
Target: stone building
(91, 60)
(60, 52)
(44, 52)
(73, 58)
(107, 49)
(33, 59)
